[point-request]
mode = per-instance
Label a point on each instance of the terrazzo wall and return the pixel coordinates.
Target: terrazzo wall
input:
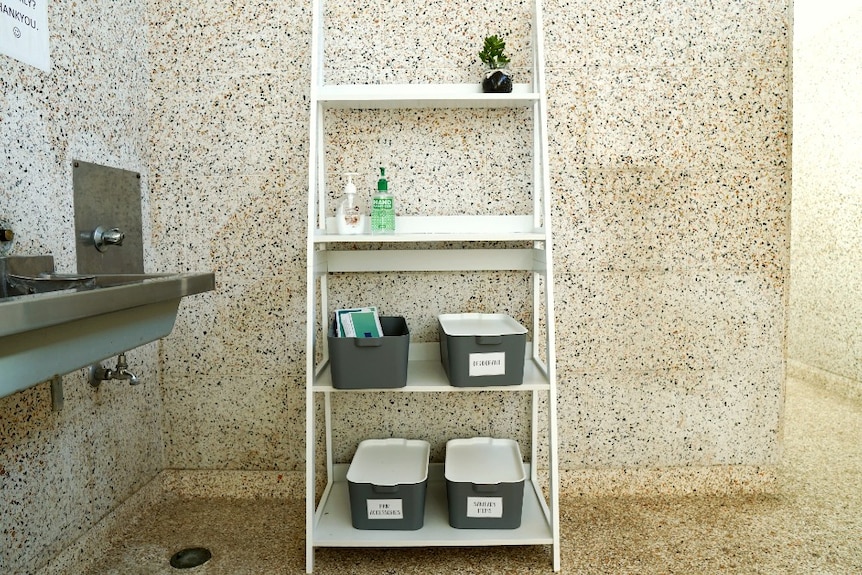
(669, 126)
(825, 327)
(60, 472)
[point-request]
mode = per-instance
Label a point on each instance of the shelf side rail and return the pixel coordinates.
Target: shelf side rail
(542, 137)
(315, 133)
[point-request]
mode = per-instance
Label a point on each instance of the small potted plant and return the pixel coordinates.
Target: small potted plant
(497, 79)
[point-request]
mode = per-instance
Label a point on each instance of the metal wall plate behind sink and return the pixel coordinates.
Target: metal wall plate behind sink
(107, 205)
(53, 333)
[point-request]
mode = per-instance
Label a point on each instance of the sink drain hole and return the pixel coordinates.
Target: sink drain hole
(191, 557)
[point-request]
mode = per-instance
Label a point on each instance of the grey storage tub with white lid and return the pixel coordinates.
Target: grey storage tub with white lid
(484, 483)
(387, 481)
(479, 349)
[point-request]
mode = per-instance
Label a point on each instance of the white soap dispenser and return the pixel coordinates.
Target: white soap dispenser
(348, 217)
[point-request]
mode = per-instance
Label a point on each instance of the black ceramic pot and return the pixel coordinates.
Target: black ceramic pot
(497, 81)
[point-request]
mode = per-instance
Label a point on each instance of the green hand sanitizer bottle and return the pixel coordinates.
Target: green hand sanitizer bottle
(382, 207)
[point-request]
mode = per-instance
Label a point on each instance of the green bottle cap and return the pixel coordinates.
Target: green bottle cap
(382, 184)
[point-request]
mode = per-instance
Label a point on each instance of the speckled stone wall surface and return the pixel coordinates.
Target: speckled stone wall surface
(669, 128)
(825, 327)
(229, 109)
(60, 472)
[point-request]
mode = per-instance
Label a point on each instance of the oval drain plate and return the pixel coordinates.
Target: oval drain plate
(191, 557)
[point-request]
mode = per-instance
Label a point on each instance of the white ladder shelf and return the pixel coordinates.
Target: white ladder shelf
(328, 521)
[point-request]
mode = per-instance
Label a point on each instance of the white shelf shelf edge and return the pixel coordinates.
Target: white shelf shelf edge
(443, 229)
(425, 373)
(383, 96)
(334, 526)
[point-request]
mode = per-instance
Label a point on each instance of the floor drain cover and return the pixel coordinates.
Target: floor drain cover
(192, 557)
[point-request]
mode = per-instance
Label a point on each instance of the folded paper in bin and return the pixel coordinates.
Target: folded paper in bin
(358, 322)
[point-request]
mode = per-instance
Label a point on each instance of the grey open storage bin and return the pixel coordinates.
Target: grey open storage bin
(480, 349)
(370, 362)
(484, 483)
(387, 481)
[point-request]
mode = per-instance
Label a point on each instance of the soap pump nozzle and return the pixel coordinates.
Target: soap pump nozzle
(350, 187)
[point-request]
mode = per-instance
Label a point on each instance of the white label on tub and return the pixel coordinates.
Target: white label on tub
(385, 509)
(487, 507)
(487, 364)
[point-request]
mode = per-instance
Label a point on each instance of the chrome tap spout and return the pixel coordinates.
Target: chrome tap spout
(121, 372)
(103, 237)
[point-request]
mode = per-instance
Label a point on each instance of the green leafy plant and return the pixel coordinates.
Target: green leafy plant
(492, 53)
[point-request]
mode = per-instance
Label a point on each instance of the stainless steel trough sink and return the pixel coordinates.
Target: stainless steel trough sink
(52, 333)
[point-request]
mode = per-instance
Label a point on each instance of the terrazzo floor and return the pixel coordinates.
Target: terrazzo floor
(810, 524)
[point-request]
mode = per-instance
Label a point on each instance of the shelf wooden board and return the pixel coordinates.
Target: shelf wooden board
(383, 96)
(334, 527)
(425, 373)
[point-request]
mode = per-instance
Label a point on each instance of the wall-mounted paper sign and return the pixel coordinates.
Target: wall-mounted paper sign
(24, 31)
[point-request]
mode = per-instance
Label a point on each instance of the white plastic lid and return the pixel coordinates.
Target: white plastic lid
(390, 462)
(459, 324)
(484, 460)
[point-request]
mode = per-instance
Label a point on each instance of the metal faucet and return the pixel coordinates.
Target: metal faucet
(121, 372)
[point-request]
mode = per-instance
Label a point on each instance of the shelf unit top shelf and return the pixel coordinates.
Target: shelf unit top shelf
(382, 96)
